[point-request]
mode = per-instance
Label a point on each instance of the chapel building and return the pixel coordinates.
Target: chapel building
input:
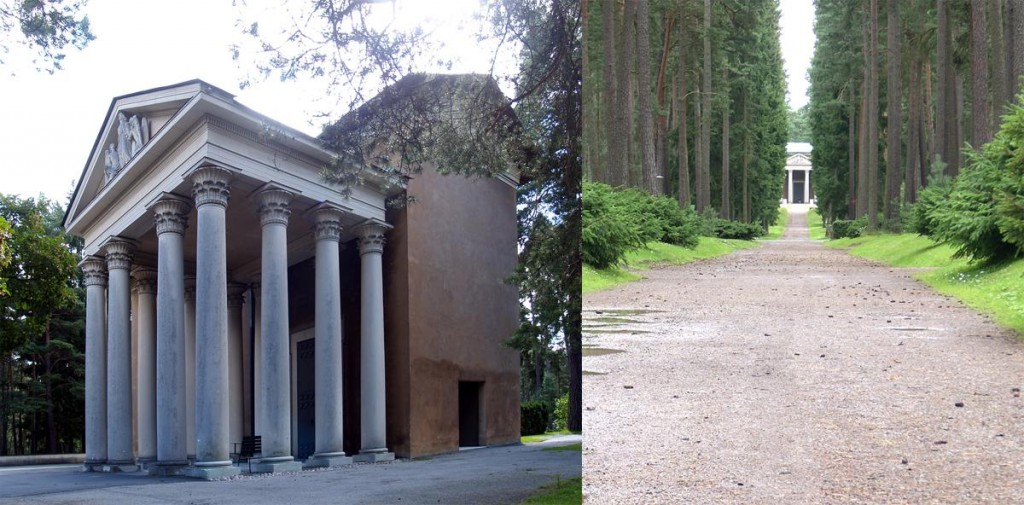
(231, 293)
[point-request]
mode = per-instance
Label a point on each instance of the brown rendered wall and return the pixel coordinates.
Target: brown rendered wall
(457, 245)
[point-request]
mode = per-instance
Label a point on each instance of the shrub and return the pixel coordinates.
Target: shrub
(533, 418)
(562, 412)
(844, 228)
(968, 221)
(723, 228)
(616, 221)
(921, 219)
(1010, 207)
(607, 233)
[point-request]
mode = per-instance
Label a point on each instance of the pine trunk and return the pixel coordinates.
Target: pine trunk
(725, 207)
(894, 123)
(872, 119)
(997, 75)
(683, 118)
(704, 182)
(913, 131)
(615, 157)
(661, 126)
(1015, 20)
(626, 67)
(651, 184)
(852, 157)
(981, 124)
(746, 156)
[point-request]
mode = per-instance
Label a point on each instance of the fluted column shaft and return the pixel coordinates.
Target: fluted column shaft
(328, 405)
(274, 411)
(190, 365)
(372, 397)
(95, 276)
(120, 253)
(145, 289)
(171, 218)
(210, 190)
(235, 392)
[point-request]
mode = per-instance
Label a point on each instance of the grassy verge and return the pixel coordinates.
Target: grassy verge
(776, 230)
(578, 447)
(815, 228)
(559, 493)
(993, 289)
(532, 439)
(658, 253)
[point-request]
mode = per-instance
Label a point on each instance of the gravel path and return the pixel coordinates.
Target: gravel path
(793, 373)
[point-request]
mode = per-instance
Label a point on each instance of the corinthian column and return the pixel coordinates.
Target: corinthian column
(372, 395)
(236, 394)
(328, 405)
(274, 410)
(95, 276)
(120, 253)
(171, 218)
(145, 288)
(210, 191)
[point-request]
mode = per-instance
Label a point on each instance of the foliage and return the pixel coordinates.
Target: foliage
(724, 228)
(968, 220)
(845, 228)
(1008, 149)
(921, 218)
(5, 251)
(44, 26)
(533, 418)
(616, 221)
(799, 125)
(562, 412)
(41, 332)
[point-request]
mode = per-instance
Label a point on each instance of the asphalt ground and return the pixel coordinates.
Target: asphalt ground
(490, 475)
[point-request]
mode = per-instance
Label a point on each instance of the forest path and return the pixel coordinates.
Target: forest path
(794, 373)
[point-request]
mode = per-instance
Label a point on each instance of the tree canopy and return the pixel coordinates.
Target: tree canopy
(46, 27)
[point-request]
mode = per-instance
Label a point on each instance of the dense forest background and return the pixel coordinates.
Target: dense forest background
(901, 93)
(687, 98)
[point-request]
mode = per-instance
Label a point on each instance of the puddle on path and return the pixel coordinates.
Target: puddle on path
(613, 320)
(623, 312)
(588, 372)
(614, 332)
(911, 328)
(599, 351)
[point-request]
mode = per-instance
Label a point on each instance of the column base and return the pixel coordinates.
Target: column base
(327, 460)
(211, 472)
(373, 457)
(166, 468)
(93, 466)
(276, 465)
(116, 468)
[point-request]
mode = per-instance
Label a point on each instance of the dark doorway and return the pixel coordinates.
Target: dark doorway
(799, 177)
(469, 413)
(305, 385)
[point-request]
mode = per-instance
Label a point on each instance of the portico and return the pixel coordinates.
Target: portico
(184, 181)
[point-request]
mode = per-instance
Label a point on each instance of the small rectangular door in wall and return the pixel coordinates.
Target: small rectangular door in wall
(305, 398)
(469, 413)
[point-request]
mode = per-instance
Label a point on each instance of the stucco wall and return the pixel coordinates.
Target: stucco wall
(458, 244)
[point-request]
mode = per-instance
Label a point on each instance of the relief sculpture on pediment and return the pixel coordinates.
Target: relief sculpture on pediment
(132, 134)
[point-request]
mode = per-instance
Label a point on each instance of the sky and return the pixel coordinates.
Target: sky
(48, 123)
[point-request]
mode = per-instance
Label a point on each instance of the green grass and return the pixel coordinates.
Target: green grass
(559, 493)
(816, 229)
(532, 439)
(658, 253)
(578, 447)
(997, 290)
(776, 230)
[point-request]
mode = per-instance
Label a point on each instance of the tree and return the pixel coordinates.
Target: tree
(46, 27)
(981, 125)
(704, 113)
(41, 332)
(648, 168)
(894, 120)
(799, 126)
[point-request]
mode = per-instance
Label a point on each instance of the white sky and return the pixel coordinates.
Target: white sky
(48, 123)
(797, 47)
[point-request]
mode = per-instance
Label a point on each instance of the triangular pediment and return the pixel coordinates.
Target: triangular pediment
(798, 160)
(127, 132)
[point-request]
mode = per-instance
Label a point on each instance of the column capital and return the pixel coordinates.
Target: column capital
(210, 185)
(170, 214)
(371, 236)
(120, 253)
(327, 223)
(145, 280)
(273, 206)
(236, 294)
(94, 271)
